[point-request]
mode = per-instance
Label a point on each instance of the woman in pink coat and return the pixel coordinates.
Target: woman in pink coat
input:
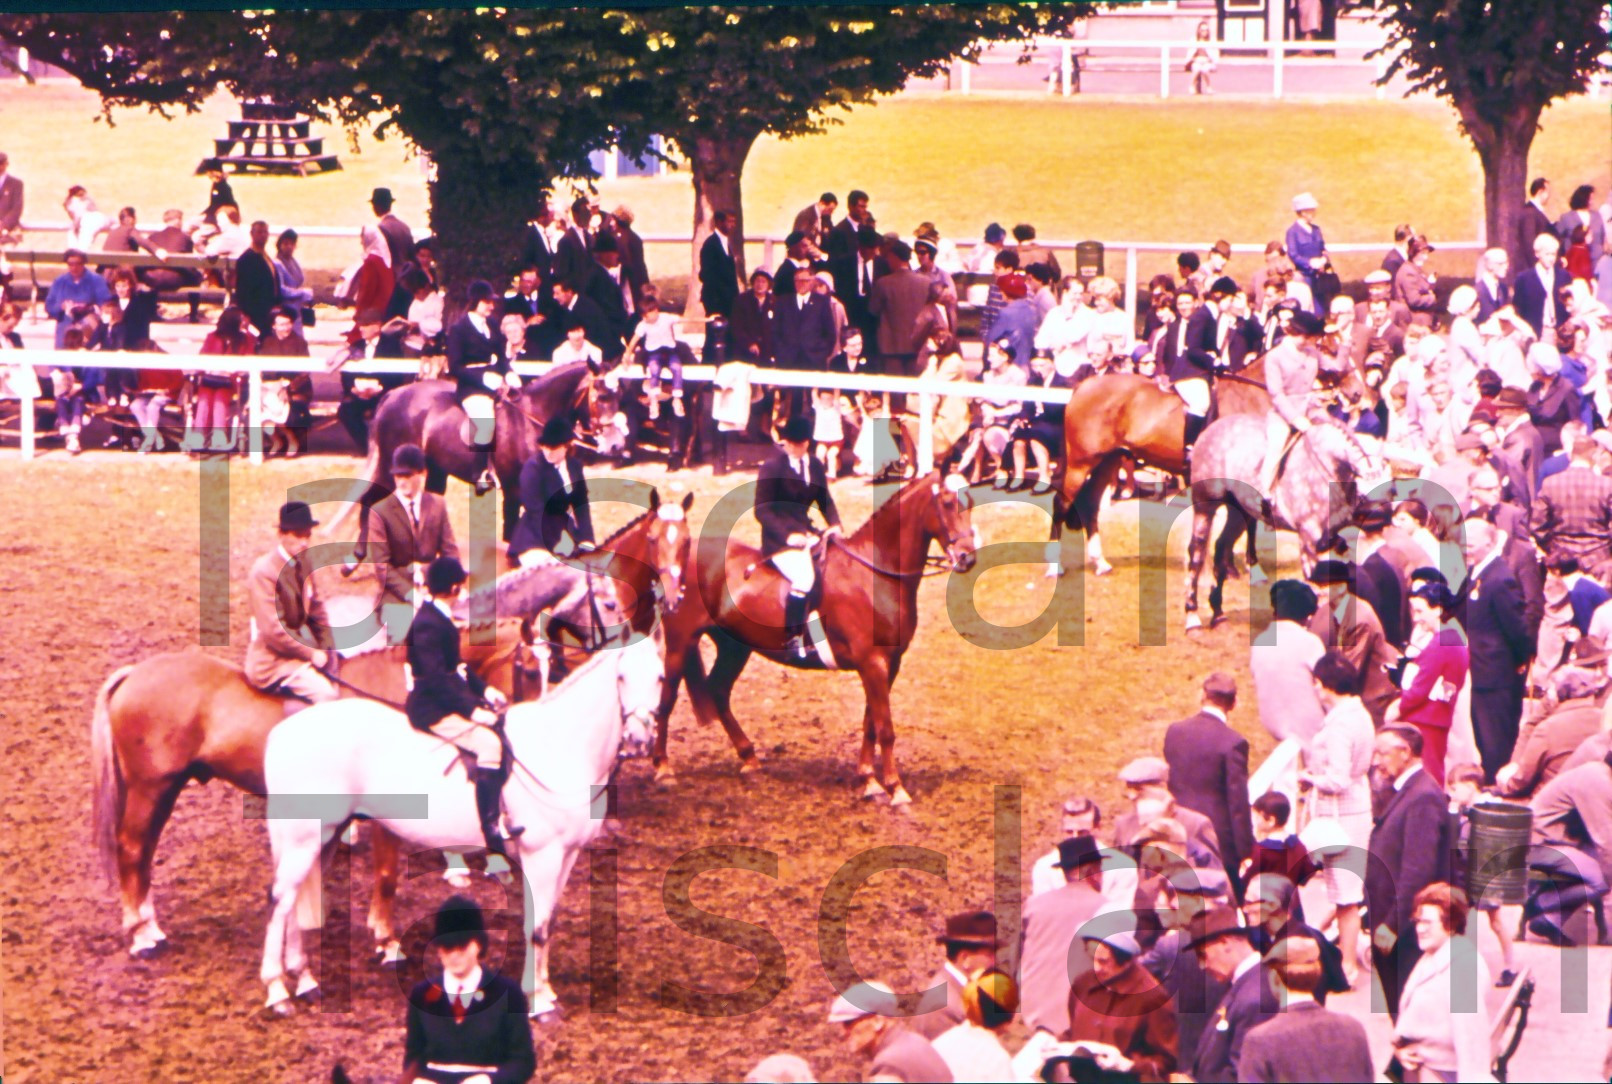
(1433, 679)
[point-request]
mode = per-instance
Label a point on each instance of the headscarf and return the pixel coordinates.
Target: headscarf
(374, 242)
(1546, 358)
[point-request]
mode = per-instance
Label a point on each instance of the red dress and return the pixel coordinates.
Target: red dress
(372, 289)
(1428, 702)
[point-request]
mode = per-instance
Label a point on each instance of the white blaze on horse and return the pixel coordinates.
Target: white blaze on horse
(357, 758)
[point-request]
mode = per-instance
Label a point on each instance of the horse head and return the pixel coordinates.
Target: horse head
(640, 676)
(670, 540)
(599, 404)
(950, 518)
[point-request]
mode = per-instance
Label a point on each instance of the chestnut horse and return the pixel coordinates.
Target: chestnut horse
(182, 716)
(868, 608)
(1117, 416)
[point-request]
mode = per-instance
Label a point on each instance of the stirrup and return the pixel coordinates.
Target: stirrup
(486, 482)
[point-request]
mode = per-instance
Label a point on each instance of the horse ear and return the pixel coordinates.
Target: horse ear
(654, 498)
(688, 501)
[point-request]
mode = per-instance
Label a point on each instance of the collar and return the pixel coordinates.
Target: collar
(951, 969)
(1541, 207)
(447, 611)
(471, 983)
(1250, 962)
(479, 322)
(1477, 569)
(1210, 709)
(1405, 776)
(284, 556)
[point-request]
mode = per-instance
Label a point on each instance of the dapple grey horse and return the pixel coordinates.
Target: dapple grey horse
(1313, 496)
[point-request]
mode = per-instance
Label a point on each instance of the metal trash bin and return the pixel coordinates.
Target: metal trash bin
(1089, 259)
(1496, 852)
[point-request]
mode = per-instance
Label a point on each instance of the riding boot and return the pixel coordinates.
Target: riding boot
(795, 623)
(485, 481)
(1195, 426)
(489, 804)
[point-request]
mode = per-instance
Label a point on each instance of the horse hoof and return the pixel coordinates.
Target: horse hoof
(665, 776)
(147, 952)
(281, 1009)
(457, 879)
(871, 789)
(750, 765)
(1216, 621)
(308, 988)
(1256, 576)
(1102, 568)
(900, 800)
(1194, 623)
(389, 955)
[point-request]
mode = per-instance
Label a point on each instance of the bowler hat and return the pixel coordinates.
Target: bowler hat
(444, 574)
(1306, 323)
(556, 432)
(408, 459)
(1214, 924)
(1332, 571)
(1222, 247)
(459, 919)
(381, 197)
(480, 290)
(970, 928)
(296, 516)
(1220, 683)
(1077, 851)
(797, 429)
(1511, 399)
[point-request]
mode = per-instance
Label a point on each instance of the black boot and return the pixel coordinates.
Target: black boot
(1195, 424)
(489, 804)
(795, 623)
(484, 471)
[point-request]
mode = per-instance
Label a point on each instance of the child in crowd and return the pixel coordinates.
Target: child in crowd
(576, 346)
(1464, 784)
(828, 429)
(656, 336)
(1276, 850)
(1202, 61)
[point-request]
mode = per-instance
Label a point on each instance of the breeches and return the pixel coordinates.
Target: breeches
(796, 566)
(481, 410)
(309, 684)
(479, 741)
(1195, 394)
(147, 409)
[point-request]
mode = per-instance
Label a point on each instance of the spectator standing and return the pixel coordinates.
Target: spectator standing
(399, 238)
(1281, 659)
(898, 297)
(1413, 284)
(1051, 954)
(74, 293)
(719, 277)
(1434, 674)
(574, 251)
(1221, 944)
(1411, 851)
(816, 221)
(970, 942)
(892, 1050)
(1306, 247)
(845, 236)
(634, 267)
(1305, 1041)
(802, 326)
(1032, 251)
(973, 1050)
(1572, 515)
(1498, 642)
(1579, 214)
(1208, 763)
(257, 287)
(537, 247)
(1346, 622)
(1003, 266)
(1121, 1012)
(1537, 292)
(750, 327)
(11, 201)
(983, 256)
(370, 282)
(1442, 1031)
(1147, 788)
(215, 392)
(1493, 283)
(1535, 218)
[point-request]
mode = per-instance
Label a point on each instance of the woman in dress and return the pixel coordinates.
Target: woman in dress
(1436, 671)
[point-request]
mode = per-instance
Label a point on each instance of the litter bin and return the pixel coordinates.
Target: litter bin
(1089, 259)
(1497, 852)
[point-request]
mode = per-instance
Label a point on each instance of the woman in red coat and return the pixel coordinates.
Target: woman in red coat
(1120, 1014)
(373, 283)
(215, 392)
(1435, 675)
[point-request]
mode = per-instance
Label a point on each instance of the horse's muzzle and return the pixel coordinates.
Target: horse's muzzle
(962, 560)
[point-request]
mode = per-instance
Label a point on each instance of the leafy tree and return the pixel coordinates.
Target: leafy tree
(1500, 63)
(715, 79)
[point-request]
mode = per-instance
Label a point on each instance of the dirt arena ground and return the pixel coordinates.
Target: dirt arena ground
(103, 566)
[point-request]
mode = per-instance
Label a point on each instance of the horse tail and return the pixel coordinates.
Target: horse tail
(106, 774)
(371, 477)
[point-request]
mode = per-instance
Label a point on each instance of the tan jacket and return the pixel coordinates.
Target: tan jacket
(288, 618)
(396, 544)
(1360, 637)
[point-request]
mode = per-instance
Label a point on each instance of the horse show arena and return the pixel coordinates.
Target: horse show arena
(105, 566)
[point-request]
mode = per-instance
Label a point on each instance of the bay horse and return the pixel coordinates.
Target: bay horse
(869, 612)
(563, 750)
(1314, 495)
(428, 413)
(162, 722)
(1119, 415)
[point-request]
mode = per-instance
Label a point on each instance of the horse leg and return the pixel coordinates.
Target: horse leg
(545, 872)
(146, 807)
(731, 656)
(383, 855)
(1225, 545)
(1256, 571)
(679, 657)
(297, 846)
(1088, 507)
(876, 677)
(1197, 550)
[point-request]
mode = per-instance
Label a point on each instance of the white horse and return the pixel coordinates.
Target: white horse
(350, 758)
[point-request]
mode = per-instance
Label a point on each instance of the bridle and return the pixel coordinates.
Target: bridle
(933, 565)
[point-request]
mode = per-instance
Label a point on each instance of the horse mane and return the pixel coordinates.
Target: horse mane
(629, 525)
(572, 681)
(886, 509)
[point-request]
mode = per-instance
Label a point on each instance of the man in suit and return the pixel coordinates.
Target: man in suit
(1304, 1041)
(408, 530)
(787, 487)
(897, 299)
(1347, 623)
(1032, 251)
(970, 944)
(1535, 219)
(399, 238)
(291, 638)
(634, 267)
(574, 252)
(475, 1017)
(361, 395)
(1498, 641)
(537, 251)
(1520, 442)
(1147, 788)
(796, 254)
(855, 274)
(844, 238)
(596, 326)
(172, 238)
(1051, 952)
(257, 287)
(719, 276)
(802, 324)
(1208, 770)
(816, 221)
(1518, 545)
(1537, 293)
(1268, 907)
(1409, 850)
(1221, 944)
(1395, 258)
(528, 300)
(1572, 513)
(10, 199)
(555, 516)
(1381, 581)
(606, 286)
(447, 702)
(1493, 284)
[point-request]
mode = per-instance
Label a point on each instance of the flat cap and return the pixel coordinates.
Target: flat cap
(1213, 924)
(863, 999)
(1220, 683)
(1145, 770)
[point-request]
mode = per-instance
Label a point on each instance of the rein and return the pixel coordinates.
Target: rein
(933, 565)
(365, 694)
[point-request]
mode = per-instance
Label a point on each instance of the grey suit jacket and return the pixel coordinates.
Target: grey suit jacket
(1052, 954)
(1306, 1042)
(396, 544)
(10, 202)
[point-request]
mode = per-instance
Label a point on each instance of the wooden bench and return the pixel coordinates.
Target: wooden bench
(54, 262)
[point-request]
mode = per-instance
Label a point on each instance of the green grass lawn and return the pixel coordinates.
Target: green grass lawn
(1111, 169)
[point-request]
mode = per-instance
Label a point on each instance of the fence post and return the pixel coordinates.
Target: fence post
(23, 64)
(926, 433)
(1276, 70)
(1065, 64)
(1164, 71)
(766, 256)
(27, 421)
(254, 416)
(968, 77)
(1133, 290)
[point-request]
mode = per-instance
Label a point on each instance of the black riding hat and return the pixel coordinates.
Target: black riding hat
(444, 574)
(459, 922)
(797, 429)
(556, 432)
(408, 459)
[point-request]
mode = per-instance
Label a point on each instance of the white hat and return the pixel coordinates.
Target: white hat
(1462, 298)
(1378, 277)
(1545, 357)
(1304, 202)
(863, 999)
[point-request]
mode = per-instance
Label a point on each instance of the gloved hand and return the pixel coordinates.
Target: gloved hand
(799, 540)
(483, 716)
(512, 381)
(586, 547)
(492, 381)
(496, 698)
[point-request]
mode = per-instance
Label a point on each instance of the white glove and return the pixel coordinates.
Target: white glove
(799, 540)
(496, 698)
(492, 381)
(512, 381)
(483, 716)
(1112, 1061)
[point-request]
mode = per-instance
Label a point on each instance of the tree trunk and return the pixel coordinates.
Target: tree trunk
(478, 217)
(1502, 148)
(718, 167)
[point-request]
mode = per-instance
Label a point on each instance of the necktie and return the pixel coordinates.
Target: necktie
(867, 278)
(414, 513)
(800, 468)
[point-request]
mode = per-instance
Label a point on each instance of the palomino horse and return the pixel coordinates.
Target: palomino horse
(564, 747)
(1315, 493)
(428, 414)
(1115, 416)
(869, 611)
(183, 716)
